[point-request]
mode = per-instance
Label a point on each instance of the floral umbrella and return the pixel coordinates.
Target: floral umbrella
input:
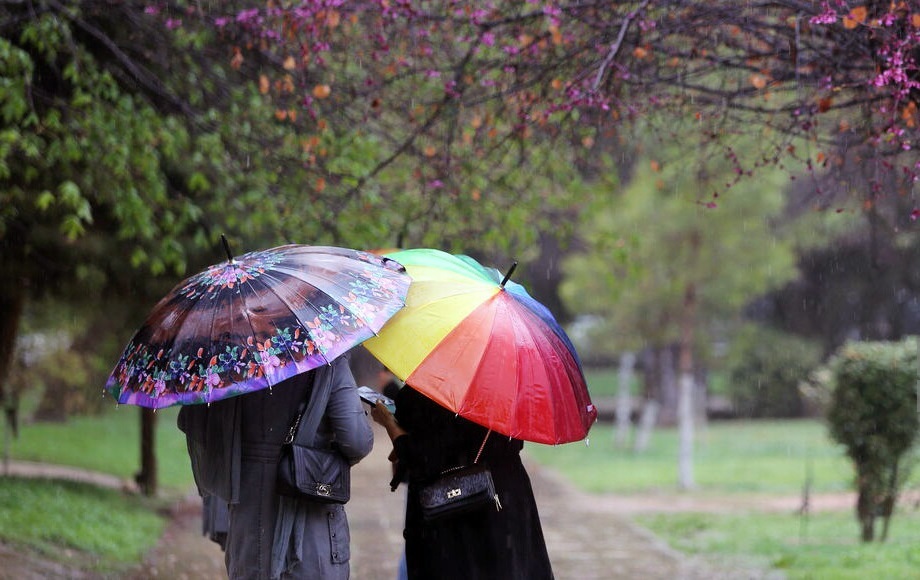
(482, 347)
(253, 321)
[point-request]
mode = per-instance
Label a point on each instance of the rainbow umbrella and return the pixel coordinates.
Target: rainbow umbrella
(250, 322)
(481, 346)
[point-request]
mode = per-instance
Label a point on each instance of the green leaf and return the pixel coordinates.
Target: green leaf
(44, 200)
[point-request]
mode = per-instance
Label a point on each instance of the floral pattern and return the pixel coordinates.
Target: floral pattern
(337, 309)
(230, 274)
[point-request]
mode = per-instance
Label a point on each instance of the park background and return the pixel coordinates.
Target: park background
(713, 201)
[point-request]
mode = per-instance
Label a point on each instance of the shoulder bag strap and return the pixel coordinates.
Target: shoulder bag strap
(304, 431)
(483, 446)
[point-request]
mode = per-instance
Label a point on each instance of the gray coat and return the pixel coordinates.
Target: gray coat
(234, 446)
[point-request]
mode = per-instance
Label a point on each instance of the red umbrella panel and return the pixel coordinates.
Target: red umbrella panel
(486, 349)
(251, 322)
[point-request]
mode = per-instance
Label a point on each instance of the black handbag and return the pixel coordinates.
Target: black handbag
(304, 471)
(460, 490)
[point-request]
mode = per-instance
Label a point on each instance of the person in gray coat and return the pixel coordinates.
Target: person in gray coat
(234, 447)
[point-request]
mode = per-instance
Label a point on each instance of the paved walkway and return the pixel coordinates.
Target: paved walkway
(588, 538)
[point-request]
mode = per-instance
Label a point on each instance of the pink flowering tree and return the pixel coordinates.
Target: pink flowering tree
(449, 89)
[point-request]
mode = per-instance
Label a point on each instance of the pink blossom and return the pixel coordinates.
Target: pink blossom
(247, 16)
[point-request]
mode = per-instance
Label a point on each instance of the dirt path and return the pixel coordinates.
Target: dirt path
(588, 537)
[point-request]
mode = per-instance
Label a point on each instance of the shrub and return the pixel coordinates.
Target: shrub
(764, 368)
(873, 412)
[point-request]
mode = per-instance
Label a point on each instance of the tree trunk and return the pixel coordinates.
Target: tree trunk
(685, 410)
(624, 399)
(685, 424)
(12, 301)
(890, 500)
(646, 425)
(865, 512)
(668, 386)
(146, 478)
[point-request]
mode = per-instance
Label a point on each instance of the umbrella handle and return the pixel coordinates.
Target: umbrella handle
(508, 275)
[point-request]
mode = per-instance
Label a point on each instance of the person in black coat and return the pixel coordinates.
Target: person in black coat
(485, 544)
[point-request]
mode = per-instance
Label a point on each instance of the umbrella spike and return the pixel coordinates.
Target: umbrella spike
(226, 244)
(508, 275)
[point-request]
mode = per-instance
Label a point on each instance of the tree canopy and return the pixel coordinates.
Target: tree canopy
(821, 82)
(655, 239)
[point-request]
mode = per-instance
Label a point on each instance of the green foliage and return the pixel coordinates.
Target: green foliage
(800, 549)
(874, 406)
(874, 414)
(108, 527)
(765, 368)
(660, 234)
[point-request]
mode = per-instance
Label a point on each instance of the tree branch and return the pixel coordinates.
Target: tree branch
(615, 48)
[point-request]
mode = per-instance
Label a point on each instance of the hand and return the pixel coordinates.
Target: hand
(381, 415)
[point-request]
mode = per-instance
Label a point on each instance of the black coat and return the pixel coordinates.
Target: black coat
(486, 544)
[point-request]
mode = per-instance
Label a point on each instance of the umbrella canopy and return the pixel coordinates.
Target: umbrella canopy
(253, 321)
(485, 349)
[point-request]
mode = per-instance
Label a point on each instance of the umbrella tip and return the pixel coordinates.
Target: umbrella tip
(508, 275)
(223, 239)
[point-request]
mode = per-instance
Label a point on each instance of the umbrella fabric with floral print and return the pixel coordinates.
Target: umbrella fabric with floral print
(251, 322)
(482, 347)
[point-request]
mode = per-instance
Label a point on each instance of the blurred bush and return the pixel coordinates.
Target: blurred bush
(874, 413)
(764, 369)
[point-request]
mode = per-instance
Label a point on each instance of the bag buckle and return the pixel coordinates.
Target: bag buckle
(323, 489)
(452, 493)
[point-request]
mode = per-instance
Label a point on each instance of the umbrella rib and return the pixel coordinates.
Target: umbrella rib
(337, 286)
(292, 310)
(207, 383)
(262, 280)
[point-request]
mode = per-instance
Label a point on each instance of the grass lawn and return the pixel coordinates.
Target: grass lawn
(109, 443)
(825, 546)
(729, 457)
(749, 457)
(96, 529)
